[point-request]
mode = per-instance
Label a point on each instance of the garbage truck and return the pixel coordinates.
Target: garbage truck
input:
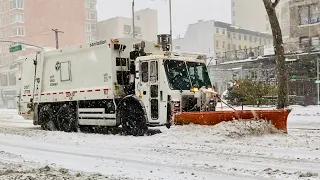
(123, 82)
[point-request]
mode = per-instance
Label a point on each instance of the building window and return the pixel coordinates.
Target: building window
(217, 30)
(138, 18)
(17, 31)
(223, 31)
(3, 79)
(217, 44)
(91, 4)
(245, 37)
(250, 38)
(16, 4)
(138, 30)
(177, 47)
(223, 44)
(234, 35)
(127, 29)
(315, 41)
(234, 47)
(90, 38)
(309, 14)
(14, 18)
(229, 47)
(240, 47)
(239, 36)
(260, 41)
(228, 34)
(91, 16)
(91, 27)
(12, 79)
(312, 41)
(314, 14)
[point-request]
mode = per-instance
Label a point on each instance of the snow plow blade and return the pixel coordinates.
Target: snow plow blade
(277, 117)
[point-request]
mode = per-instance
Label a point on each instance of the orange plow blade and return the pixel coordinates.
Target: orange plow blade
(277, 117)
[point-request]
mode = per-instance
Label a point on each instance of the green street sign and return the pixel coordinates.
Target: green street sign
(317, 81)
(293, 77)
(15, 48)
(13, 66)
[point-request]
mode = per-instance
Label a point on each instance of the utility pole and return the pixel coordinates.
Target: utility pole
(170, 11)
(133, 26)
(57, 37)
(318, 74)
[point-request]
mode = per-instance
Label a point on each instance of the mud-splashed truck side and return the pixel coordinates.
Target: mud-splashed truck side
(124, 81)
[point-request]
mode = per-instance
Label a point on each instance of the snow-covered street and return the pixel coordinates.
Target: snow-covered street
(226, 151)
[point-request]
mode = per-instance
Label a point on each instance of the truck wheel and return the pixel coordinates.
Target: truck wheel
(132, 118)
(66, 119)
(46, 118)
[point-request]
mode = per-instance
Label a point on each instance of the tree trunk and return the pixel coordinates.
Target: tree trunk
(282, 75)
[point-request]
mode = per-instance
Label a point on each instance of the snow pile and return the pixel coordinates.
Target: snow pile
(10, 114)
(245, 128)
(231, 129)
(13, 171)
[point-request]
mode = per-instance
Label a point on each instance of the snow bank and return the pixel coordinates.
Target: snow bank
(13, 166)
(245, 128)
(13, 171)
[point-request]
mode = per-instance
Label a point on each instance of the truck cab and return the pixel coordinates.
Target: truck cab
(167, 83)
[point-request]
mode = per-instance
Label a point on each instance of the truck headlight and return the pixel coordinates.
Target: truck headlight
(194, 89)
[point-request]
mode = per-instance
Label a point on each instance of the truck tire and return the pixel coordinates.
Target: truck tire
(132, 117)
(66, 119)
(46, 118)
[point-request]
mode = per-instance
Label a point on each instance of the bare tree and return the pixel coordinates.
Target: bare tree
(282, 74)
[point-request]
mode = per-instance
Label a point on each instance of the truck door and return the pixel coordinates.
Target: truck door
(149, 89)
(154, 91)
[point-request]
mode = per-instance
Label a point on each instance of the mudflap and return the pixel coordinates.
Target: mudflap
(35, 115)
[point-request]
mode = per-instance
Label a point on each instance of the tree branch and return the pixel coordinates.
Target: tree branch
(275, 3)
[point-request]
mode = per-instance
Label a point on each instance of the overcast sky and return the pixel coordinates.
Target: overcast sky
(184, 12)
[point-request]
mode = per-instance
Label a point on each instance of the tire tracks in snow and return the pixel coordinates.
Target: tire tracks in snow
(255, 159)
(126, 160)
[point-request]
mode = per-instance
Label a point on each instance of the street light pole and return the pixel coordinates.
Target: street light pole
(170, 11)
(133, 27)
(318, 74)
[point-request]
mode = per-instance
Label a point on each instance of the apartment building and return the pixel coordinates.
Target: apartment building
(32, 22)
(230, 38)
(199, 37)
(251, 14)
(305, 20)
(218, 37)
(146, 26)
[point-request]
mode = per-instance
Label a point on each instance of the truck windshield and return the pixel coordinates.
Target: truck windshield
(198, 74)
(177, 75)
(180, 73)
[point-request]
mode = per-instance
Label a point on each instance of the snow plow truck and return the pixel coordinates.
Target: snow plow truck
(122, 82)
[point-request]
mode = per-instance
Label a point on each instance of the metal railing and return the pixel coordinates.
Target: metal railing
(289, 48)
